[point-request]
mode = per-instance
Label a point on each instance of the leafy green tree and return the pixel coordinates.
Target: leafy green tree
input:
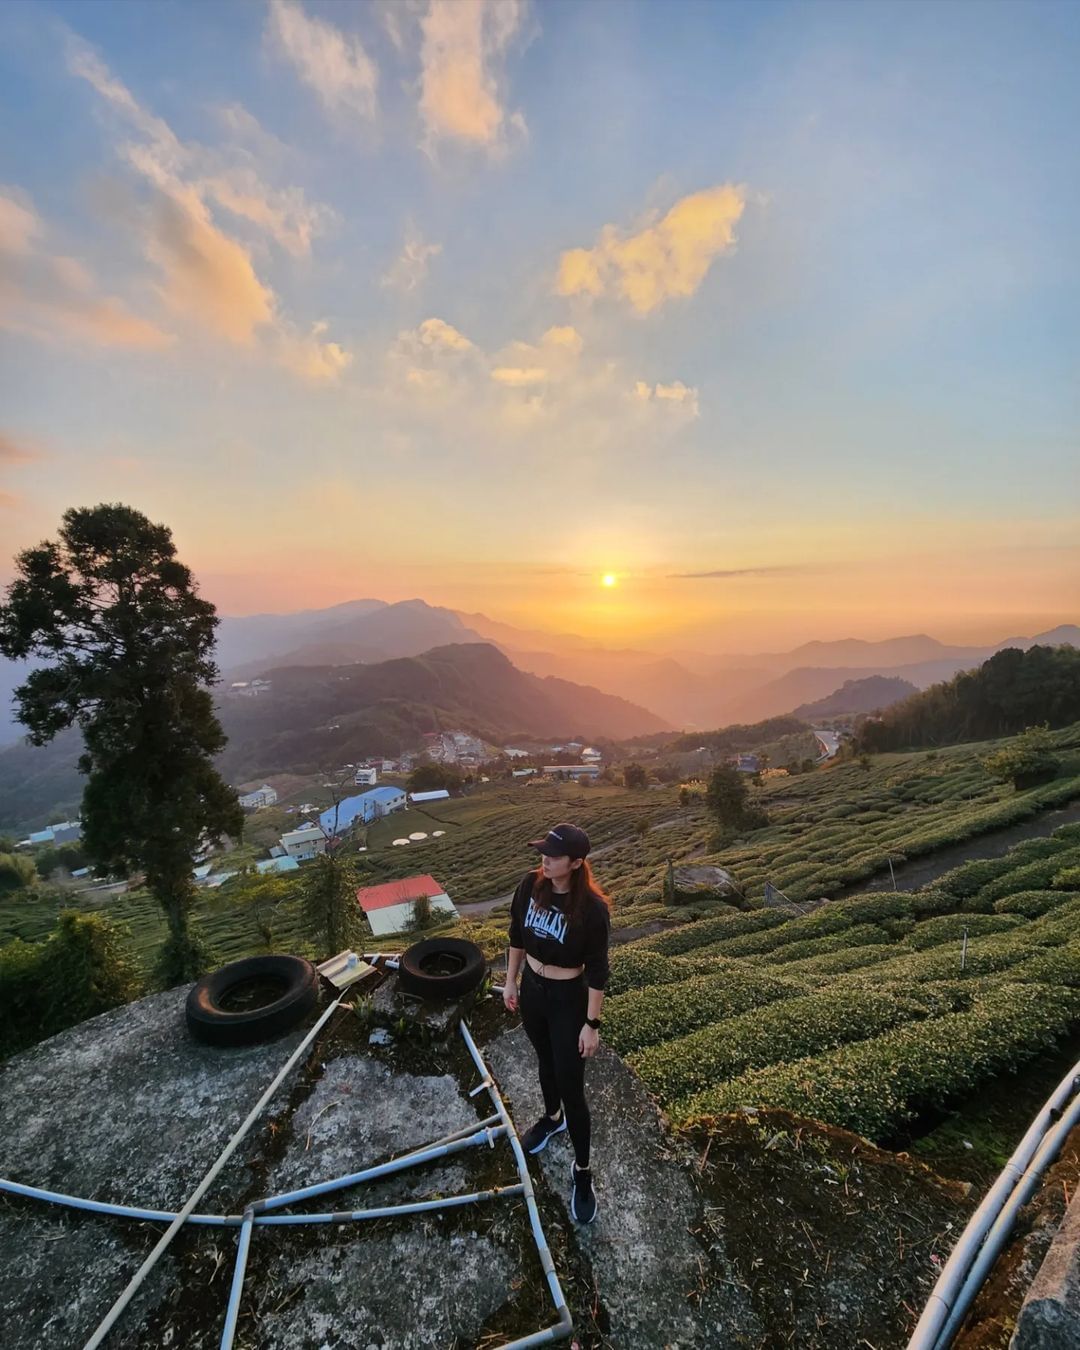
(431, 777)
(330, 910)
(728, 800)
(128, 644)
(1029, 760)
(17, 873)
(82, 969)
(634, 775)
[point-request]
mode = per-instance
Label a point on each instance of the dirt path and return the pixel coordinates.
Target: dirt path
(910, 876)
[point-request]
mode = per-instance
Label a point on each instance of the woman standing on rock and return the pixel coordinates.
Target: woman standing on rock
(559, 926)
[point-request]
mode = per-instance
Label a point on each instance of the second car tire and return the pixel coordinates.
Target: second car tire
(441, 968)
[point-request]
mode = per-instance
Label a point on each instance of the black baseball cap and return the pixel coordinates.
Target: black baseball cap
(563, 841)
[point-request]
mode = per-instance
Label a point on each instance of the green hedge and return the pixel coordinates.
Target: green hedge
(790, 1030)
(1051, 965)
(862, 935)
(875, 1086)
(838, 962)
(985, 956)
(82, 969)
(632, 967)
(950, 927)
(1032, 904)
(1034, 876)
(663, 1012)
(708, 931)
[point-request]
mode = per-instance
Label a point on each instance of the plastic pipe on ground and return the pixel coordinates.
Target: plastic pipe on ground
(565, 1324)
(382, 1170)
(956, 1268)
(236, 1220)
(112, 1316)
(232, 1312)
(1003, 1224)
(390, 1211)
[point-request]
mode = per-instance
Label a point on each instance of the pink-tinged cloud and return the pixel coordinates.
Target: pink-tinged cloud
(462, 45)
(332, 63)
(665, 260)
(53, 296)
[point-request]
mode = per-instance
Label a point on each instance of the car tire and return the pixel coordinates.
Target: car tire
(441, 968)
(210, 1019)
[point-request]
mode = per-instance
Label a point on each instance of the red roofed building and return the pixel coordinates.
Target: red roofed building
(389, 907)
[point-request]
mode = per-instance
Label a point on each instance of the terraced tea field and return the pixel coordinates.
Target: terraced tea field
(868, 1011)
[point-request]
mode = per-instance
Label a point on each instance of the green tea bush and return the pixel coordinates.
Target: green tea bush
(837, 962)
(1068, 878)
(708, 931)
(948, 927)
(861, 936)
(793, 1029)
(876, 1086)
(661, 1012)
(1031, 904)
(1035, 876)
(632, 967)
(1051, 965)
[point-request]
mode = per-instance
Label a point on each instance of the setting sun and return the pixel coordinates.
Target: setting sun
(609, 579)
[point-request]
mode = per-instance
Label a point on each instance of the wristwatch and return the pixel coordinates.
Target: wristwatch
(594, 1022)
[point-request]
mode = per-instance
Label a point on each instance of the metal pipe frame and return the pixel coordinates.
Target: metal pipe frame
(565, 1323)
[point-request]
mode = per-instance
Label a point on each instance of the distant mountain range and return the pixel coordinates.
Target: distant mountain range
(857, 696)
(316, 718)
(685, 689)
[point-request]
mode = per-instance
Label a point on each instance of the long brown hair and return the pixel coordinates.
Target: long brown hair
(582, 884)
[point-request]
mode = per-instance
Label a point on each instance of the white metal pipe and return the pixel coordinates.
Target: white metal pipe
(236, 1220)
(956, 1268)
(386, 1169)
(564, 1325)
(1003, 1224)
(391, 1211)
(232, 1312)
(112, 1316)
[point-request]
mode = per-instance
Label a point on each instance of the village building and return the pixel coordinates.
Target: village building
(389, 908)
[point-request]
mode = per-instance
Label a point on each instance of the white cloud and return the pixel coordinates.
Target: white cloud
(49, 295)
(332, 63)
(411, 266)
(463, 45)
(675, 395)
(207, 274)
(666, 259)
(313, 359)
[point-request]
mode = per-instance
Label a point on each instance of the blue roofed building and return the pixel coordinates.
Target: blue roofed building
(366, 807)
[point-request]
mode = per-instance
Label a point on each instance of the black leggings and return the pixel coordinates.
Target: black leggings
(553, 1013)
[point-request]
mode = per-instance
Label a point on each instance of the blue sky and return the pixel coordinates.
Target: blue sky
(482, 300)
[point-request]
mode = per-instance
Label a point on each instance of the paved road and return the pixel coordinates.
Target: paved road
(829, 742)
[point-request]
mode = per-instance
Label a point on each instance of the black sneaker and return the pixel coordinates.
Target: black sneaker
(583, 1204)
(532, 1141)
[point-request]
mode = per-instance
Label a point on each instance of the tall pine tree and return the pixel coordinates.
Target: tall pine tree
(128, 644)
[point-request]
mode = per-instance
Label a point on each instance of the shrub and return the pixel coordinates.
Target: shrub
(82, 969)
(837, 962)
(633, 968)
(793, 1029)
(1034, 876)
(875, 1086)
(862, 936)
(1068, 877)
(1031, 904)
(950, 927)
(662, 1012)
(707, 931)
(1051, 965)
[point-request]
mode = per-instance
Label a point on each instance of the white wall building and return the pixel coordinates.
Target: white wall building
(304, 843)
(366, 777)
(255, 801)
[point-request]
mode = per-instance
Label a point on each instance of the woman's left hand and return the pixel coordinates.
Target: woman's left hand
(588, 1042)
